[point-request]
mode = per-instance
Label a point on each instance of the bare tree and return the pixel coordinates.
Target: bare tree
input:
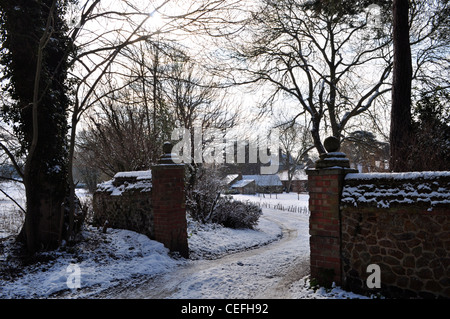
(160, 89)
(116, 137)
(318, 59)
(101, 50)
(429, 33)
(295, 144)
(199, 105)
(196, 100)
(99, 34)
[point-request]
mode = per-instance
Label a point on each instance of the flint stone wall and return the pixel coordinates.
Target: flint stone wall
(401, 222)
(125, 202)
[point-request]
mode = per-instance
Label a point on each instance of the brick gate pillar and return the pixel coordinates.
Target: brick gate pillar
(325, 184)
(169, 203)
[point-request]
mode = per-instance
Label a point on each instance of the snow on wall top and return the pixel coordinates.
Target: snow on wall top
(139, 175)
(383, 190)
(127, 181)
(397, 176)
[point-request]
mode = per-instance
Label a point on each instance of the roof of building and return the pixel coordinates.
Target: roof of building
(264, 180)
(242, 183)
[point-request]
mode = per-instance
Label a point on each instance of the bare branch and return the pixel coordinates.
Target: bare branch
(13, 200)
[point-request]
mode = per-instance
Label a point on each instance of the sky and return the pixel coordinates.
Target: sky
(161, 24)
(162, 20)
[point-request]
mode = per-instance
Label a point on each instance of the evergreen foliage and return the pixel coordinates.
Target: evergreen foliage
(34, 56)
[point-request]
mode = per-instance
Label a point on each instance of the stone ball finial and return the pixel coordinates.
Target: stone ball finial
(168, 157)
(333, 158)
(331, 144)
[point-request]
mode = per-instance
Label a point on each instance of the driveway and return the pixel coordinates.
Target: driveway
(265, 272)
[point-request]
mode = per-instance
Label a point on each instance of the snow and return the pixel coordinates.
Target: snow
(397, 176)
(301, 290)
(11, 218)
(385, 189)
(226, 240)
(224, 263)
(285, 201)
(139, 175)
(108, 186)
(264, 180)
(242, 183)
(138, 180)
(257, 273)
(103, 259)
(229, 178)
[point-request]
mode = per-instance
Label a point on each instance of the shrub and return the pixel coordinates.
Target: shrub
(235, 214)
(201, 205)
(202, 198)
(205, 205)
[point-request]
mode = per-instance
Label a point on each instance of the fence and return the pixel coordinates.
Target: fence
(282, 207)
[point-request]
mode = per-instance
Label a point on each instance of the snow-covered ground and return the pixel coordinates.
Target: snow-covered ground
(268, 262)
(291, 202)
(11, 217)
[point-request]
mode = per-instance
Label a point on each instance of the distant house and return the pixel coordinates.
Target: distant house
(251, 184)
(245, 186)
(266, 183)
(299, 183)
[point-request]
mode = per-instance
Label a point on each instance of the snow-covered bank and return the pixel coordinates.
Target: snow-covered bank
(103, 260)
(106, 259)
(211, 241)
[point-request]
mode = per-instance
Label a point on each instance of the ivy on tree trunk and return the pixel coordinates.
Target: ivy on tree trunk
(35, 63)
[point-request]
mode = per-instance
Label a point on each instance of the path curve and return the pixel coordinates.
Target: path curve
(263, 272)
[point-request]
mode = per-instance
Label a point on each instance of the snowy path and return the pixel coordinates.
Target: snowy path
(265, 272)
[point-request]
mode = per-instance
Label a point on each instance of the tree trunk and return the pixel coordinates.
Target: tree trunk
(45, 215)
(401, 125)
(36, 65)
